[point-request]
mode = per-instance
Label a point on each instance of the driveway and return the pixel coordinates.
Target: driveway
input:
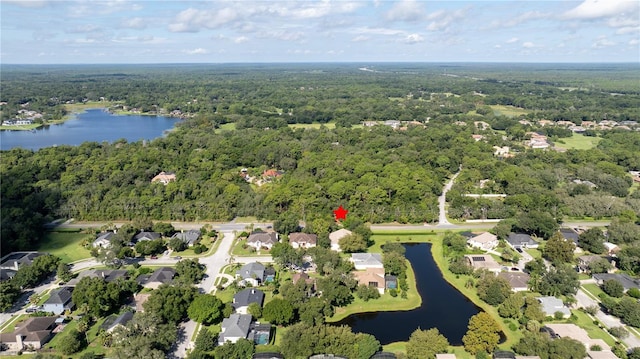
(609, 321)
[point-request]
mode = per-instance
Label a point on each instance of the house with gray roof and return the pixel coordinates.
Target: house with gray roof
(190, 237)
(519, 281)
(114, 321)
(259, 240)
(146, 236)
(626, 281)
(32, 333)
(59, 301)
(243, 298)
(251, 273)
(234, 328)
(103, 240)
(362, 261)
(162, 275)
(108, 275)
(16, 260)
(521, 240)
(551, 305)
(570, 235)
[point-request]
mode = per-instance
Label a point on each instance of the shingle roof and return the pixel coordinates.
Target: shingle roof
(520, 239)
(146, 236)
(251, 270)
(162, 275)
(189, 237)
(366, 259)
(263, 237)
(299, 237)
(60, 296)
(247, 296)
(236, 326)
(626, 281)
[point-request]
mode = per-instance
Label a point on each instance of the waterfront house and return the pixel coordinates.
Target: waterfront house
(484, 241)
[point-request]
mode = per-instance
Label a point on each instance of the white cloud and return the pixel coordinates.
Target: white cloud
(441, 20)
(28, 3)
(360, 38)
(378, 31)
(528, 45)
(497, 46)
(240, 39)
(594, 9)
(134, 23)
(192, 20)
(602, 41)
(512, 40)
(633, 42)
(413, 38)
(198, 51)
(406, 10)
(84, 29)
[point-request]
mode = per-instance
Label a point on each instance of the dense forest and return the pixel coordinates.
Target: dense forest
(239, 116)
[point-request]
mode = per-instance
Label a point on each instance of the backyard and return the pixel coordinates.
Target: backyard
(66, 245)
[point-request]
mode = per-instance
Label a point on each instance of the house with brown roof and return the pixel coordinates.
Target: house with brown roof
(31, 334)
(303, 240)
(519, 281)
(164, 178)
(484, 241)
(271, 174)
(483, 261)
(373, 277)
(336, 236)
(259, 240)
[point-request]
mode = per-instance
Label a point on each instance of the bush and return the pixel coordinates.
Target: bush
(558, 315)
(513, 327)
(596, 348)
(613, 288)
(619, 332)
(393, 292)
(73, 343)
(634, 292)
(593, 310)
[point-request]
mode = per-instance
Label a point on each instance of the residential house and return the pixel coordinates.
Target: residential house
(164, 178)
(6, 274)
(392, 123)
(271, 174)
(551, 305)
(387, 355)
(16, 260)
(521, 240)
(234, 328)
(190, 237)
(59, 301)
(626, 281)
(252, 273)
(260, 240)
(336, 236)
(311, 283)
(362, 261)
(484, 241)
(146, 236)
(31, 334)
(103, 240)
(162, 275)
(519, 281)
(611, 248)
(564, 330)
(585, 261)
(137, 303)
(483, 261)
(243, 298)
(446, 356)
(570, 235)
(477, 137)
(114, 321)
(373, 277)
(502, 151)
(303, 240)
(108, 275)
(267, 355)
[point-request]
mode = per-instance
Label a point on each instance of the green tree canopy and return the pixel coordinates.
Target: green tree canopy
(206, 309)
(278, 311)
(425, 344)
(482, 335)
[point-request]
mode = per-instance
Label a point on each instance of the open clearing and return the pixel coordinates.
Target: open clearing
(66, 245)
(509, 111)
(578, 142)
(329, 125)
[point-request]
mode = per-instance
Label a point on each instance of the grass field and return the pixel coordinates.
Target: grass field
(20, 127)
(508, 111)
(65, 245)
(585, 322)
(226, 127)
(578, 142)
(329, 125)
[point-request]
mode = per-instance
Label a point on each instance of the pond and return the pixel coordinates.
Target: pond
(95, 125)
(443, 306)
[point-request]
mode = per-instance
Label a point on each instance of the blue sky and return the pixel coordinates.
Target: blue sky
(158, 31)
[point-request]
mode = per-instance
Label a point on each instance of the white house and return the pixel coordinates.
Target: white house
(336, 236)
(362, 261)
(259, 240)
(485, 241)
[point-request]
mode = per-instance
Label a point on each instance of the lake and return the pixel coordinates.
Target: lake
(443, 306)
(95, 125)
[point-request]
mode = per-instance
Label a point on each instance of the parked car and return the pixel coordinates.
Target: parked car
(154, 257)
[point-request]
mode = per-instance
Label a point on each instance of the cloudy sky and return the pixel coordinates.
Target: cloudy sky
(159, 31)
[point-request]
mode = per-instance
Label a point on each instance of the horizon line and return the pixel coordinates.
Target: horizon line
(327, 62)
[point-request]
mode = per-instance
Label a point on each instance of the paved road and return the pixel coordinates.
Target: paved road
(609, 321)
(442, 202)
(231, 226)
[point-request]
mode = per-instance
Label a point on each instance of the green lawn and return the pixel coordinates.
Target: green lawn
(593, 289)
(329, 125)
(65, 245)
(585, 322)
(509, 111)
(21, 127)
(241, 249)
(578, 142)
(226, 127)
(385, 303)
